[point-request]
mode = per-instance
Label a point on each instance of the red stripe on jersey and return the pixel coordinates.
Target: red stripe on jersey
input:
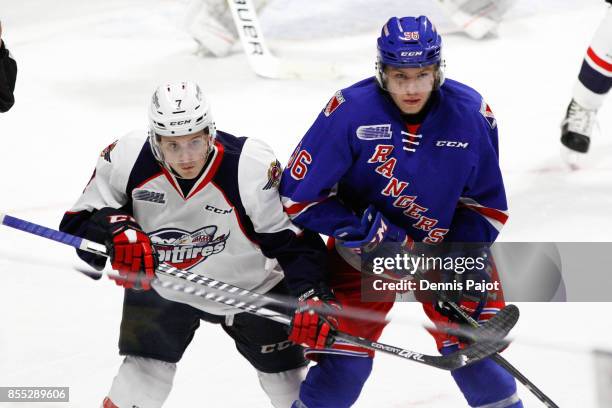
(172, 183)
(600, 62)
(149, 179)
(298, 207)
(213, 169)
(489, 213)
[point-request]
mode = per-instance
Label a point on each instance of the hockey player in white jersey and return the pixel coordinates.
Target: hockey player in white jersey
(206, 201)
(590, 90)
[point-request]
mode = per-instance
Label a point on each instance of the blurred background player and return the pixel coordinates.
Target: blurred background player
(593, 84)
(211, 25)
(8, 75)
(405, 155)
(206, 201)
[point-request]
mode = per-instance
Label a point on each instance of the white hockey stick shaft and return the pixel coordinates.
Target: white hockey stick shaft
(261, 59)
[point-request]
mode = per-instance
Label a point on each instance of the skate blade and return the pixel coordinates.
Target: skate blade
(573, 160)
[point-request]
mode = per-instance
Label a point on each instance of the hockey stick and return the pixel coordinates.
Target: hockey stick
(263, 62)
(501, 361)
(249, 301)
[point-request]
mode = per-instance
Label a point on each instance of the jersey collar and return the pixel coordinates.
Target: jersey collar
(206, 176)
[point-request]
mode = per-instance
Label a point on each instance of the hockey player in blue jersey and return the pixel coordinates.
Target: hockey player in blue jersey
(405, 155)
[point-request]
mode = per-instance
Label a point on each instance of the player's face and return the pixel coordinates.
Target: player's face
(186, 154)
(409, 87)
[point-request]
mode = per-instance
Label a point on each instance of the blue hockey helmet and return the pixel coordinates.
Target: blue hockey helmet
(409, 42)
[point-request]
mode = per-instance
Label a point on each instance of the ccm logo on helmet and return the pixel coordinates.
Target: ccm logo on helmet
(447, 143)
(180, 122)
(411, 53)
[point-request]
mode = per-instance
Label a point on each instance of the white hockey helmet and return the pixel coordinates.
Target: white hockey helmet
(178, 109)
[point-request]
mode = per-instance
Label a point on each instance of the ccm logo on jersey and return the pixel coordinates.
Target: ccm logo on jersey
(216, 210)
(448, 143)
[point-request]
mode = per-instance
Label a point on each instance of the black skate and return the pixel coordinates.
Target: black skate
(577, 127)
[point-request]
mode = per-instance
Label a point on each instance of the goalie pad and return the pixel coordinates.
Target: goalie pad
(211, 25)
(476, 18)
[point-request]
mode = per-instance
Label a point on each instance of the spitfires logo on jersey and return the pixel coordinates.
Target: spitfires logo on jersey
(485, 110)
(334, 103)
(183, 249)
(274, 175)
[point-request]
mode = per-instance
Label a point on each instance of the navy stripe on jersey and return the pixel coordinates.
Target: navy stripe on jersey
(301, 257)
(146, 166)
(226, 177)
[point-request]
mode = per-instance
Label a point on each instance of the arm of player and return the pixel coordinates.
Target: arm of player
(309, 183)
(105, 189)
(301, 254)
(8, 75)
(482, 209)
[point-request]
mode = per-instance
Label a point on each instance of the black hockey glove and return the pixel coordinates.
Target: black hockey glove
(465, 283)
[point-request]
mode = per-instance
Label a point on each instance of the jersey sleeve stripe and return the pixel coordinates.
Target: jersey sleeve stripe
(496, 217)
(298, 208)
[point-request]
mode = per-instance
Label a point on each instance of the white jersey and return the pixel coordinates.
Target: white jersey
(221, 228)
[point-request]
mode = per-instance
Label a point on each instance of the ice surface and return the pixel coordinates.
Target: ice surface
(86, 71)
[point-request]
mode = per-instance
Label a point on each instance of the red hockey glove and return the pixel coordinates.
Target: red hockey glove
(133, 257)
(129, 248)
(313, 325)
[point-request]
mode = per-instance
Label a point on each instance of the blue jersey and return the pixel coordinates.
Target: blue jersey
(439, 180)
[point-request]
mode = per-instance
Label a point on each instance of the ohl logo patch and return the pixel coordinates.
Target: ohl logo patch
(183, 249)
